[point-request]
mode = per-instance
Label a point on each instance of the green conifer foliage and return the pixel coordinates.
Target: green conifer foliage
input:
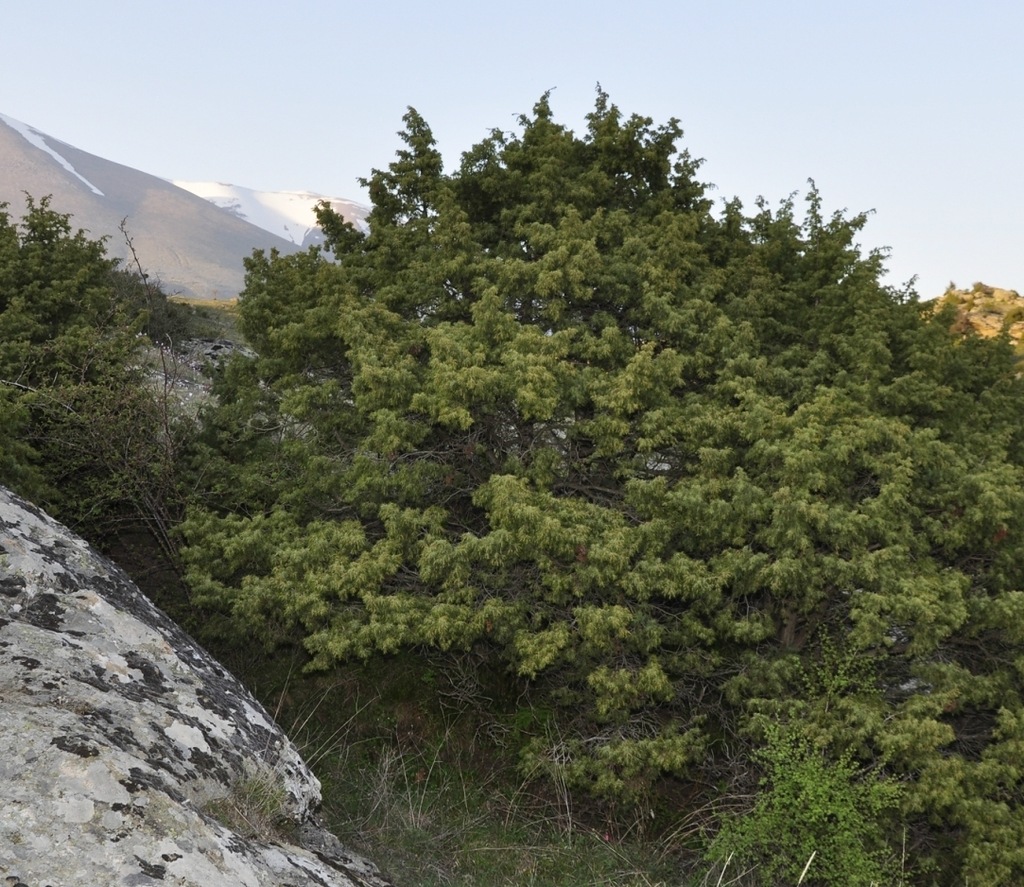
(81, 431)
(653, 463)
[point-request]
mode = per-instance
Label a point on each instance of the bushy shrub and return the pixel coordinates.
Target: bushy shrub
(556, 415)
(817, 807)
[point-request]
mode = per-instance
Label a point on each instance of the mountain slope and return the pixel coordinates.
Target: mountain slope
(288, 214)
(193, 247)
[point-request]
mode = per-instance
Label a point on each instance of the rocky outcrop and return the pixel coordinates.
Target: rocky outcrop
(128, 756)
(987, 310)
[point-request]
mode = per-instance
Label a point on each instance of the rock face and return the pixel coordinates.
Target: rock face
(987, 310)
(128, 756)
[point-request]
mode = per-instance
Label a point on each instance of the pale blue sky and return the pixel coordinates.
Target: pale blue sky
(912, 109)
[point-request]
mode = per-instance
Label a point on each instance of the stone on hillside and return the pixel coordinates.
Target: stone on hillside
(987, 310)
(127, 754)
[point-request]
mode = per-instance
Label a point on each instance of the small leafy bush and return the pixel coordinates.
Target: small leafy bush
(812, 805)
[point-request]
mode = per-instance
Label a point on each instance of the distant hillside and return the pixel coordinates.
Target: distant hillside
(988, 310)
(190, 244)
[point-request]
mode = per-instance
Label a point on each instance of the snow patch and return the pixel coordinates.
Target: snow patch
(288, 214)
(38, 139)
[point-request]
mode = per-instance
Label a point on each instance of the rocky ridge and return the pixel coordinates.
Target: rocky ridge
(129, 753)
(987, 310)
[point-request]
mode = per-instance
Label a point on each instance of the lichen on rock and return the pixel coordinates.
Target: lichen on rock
(123, 738)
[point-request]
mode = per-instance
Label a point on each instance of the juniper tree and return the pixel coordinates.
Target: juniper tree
(674, 473)
(82, 432)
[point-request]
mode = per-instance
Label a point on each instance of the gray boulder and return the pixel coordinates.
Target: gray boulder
(129, 756)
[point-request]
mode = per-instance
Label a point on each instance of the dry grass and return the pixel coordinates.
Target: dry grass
(255, 806)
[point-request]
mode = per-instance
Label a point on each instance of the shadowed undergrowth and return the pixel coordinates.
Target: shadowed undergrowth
(433, 803)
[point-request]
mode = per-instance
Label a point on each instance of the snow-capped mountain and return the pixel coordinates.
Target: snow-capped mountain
(39, 140)
(192, 239)
(288, 214)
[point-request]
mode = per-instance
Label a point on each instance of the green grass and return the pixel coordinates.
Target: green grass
(408, 785)
(429, 818)
(210, 318)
